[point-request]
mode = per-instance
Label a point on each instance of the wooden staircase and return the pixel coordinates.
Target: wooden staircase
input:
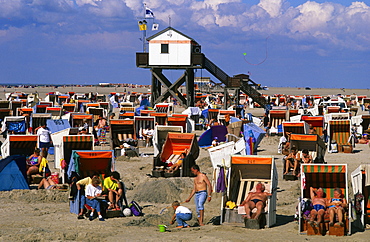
(241, 81)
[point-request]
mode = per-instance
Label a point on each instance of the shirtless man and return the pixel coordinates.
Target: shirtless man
(292, 160)
(202, 188)
(306, 158)
(255, 200)
(319, 206)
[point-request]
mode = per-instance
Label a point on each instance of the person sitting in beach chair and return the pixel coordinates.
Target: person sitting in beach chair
(336, 206)
(81, 186)
(33, 163)
(319, 206)
(178, 164)
(93, 192)
(114, 189)
(305, 158)
(148, 133)
(292, 161)
(257, 200)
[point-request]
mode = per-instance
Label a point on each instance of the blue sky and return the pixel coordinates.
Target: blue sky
(309, 43)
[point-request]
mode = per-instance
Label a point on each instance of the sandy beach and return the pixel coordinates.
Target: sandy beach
(43, 215)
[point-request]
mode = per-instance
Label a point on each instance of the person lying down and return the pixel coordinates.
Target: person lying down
(49, 184)
(257, 200)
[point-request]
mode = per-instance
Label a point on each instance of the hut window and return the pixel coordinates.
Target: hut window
(164, 48)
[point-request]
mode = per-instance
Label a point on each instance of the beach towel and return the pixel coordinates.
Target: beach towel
(221, 185)
(73, 164)
(43, 164)
(44, 167)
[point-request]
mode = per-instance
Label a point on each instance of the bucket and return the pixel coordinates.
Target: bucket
(162, 228)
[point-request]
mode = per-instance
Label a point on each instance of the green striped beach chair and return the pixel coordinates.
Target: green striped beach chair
(328, 177)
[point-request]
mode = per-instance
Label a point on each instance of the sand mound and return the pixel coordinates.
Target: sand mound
(162, 190)
(32, 196)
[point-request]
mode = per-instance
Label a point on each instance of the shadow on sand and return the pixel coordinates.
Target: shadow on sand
(283, 219)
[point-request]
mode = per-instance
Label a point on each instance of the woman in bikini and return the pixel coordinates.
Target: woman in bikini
(47, 183)
(33, 163)
(336, 205)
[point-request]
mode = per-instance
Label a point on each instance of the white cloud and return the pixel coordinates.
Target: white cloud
(313, 17)
(272, 7)
(87, 2)
(321, 23)
(11, 8)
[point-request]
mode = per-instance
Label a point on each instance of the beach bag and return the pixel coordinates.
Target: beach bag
(135, 208)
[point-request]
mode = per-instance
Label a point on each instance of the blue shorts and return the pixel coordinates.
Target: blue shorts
(318, 207)
(44, 145)
(200, 199)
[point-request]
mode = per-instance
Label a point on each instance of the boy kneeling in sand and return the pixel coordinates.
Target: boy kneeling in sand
(181, 215)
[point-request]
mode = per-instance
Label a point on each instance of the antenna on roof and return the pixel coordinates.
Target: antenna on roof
(169, 20)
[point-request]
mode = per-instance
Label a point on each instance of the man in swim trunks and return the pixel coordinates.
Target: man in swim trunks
(336, 205)
(319, 206)
(202, 188)
(257, 200)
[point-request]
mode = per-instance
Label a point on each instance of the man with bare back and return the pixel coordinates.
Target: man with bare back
(202, 189)
(257, 200)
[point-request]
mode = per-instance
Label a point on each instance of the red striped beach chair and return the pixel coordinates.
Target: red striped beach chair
(317, 123)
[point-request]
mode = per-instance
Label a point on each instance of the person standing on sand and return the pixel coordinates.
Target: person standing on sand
(202, 187)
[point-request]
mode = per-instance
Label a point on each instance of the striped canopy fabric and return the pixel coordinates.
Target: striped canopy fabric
(213, 113)
(78, 138)
(328, 177)
(340, 131)
(277, 117)
(161, 108)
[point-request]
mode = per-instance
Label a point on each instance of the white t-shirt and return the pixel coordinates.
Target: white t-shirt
(148, 132)
(92, 191)
(182, 209)
(44, 135)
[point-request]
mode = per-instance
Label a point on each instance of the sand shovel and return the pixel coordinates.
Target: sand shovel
(168, 208)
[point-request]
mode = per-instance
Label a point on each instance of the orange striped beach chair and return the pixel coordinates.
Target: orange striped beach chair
(340, 131)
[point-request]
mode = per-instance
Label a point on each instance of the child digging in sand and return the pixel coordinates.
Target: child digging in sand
(181, 215)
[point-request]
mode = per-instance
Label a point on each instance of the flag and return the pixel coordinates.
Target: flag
(155, 27)
(142, 25)
(148, 13)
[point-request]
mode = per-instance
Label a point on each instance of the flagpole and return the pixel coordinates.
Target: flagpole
(144, 31)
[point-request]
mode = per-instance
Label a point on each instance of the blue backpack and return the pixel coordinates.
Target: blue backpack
(135, 208)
